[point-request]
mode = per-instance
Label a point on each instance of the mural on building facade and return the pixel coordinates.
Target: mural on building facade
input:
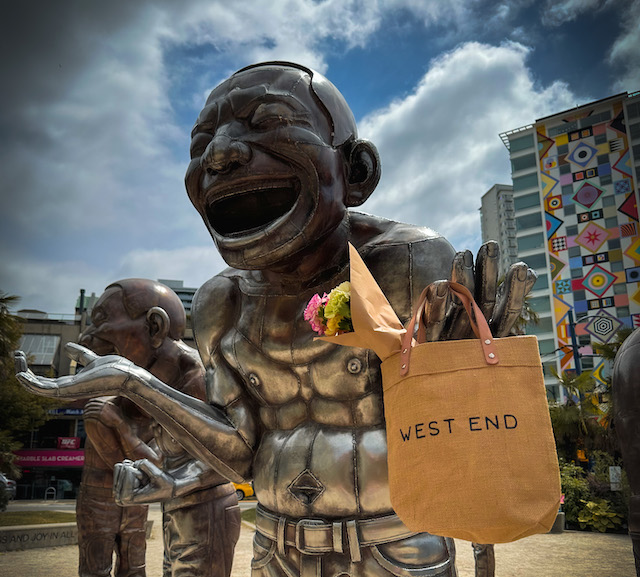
(591, 213)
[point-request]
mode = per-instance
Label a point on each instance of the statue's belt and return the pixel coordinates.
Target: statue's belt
(317, 536)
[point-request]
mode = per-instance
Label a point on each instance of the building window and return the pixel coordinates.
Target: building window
(542, 283)
(546, 346)
(574, 251)
(565, 168)
(586, 362)
(610, 222)
(569, 209)
(521, 143)
(605, 179)
(529, 221)
(634, 130)
(545, 325)
(539, 304)
(609, 200)
(633, 110)
(526, 181)
(523, 162)
(619, 289)
(600, 138)
(527, 201)
(576, 273)
(536, 261)
(567, 190)
(563, 149)
(617, 266)
(579, 295)
(530, 242)
(42, 348)
(572, 230)
(614, 243)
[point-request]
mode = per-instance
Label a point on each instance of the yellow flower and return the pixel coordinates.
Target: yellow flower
(332, 326)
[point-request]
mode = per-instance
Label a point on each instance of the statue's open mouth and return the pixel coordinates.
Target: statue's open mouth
(249, 211)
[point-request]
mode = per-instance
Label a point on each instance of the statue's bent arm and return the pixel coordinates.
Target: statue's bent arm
(203, 430)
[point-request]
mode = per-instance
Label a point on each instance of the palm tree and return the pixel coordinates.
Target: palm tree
(574, 422)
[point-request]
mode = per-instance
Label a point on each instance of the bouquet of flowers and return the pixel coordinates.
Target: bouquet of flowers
(330, 314)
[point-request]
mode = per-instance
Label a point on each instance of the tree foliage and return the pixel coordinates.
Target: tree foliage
(575, 422)
(20, 411)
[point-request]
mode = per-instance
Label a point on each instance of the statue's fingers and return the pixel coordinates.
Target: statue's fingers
(39, 385)
(518, 283)
(458, 325)
(487, 267)
(20, 361)
(147, 468)
(80, 354)
(435, 311)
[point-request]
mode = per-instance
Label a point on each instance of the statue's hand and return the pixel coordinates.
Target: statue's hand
(141, 482)
(445, 317)
(104, 411)
(101, 375)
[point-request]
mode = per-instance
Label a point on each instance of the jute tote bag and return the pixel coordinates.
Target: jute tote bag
(471, 448)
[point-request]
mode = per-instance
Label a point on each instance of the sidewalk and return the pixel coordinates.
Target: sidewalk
(567, 554)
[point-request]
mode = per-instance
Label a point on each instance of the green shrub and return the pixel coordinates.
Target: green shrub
(575, 488)
(599, 516)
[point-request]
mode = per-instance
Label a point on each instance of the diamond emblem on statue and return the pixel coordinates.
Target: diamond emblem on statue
(603, 326)
(598, 280)
(592, 237)
(306, 488)
(587, 195)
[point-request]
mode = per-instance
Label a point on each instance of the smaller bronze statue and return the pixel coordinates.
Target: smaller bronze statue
(116, 430)
(626, 406)
(144, 321)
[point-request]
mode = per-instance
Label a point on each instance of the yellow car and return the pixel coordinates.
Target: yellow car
(244, 490)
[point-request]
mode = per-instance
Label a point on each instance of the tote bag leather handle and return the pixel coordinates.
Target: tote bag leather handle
(478, 324)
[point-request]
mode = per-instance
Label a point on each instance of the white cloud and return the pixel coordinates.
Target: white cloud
(556, 12)
(440, 147)
(626, 49)
(192, 264)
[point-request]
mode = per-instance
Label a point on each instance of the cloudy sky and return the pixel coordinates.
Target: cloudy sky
(98, 100)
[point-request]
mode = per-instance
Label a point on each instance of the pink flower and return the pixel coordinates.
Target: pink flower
(313, 313)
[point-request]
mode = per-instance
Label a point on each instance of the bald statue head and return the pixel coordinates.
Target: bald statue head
(132, 318)
(275, 162)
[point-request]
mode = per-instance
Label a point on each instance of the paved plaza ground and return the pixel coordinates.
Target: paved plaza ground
(567, 554)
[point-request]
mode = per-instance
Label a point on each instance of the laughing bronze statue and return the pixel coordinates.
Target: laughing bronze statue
(276, 166)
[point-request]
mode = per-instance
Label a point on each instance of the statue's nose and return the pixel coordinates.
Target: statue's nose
(223, 153)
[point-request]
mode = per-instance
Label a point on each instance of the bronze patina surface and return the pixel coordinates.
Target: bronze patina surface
(276, 169)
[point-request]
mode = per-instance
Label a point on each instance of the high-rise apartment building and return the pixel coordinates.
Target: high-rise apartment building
(497, 221)
(575, 203)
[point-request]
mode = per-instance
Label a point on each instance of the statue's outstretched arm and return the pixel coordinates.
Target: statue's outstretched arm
(204, 431)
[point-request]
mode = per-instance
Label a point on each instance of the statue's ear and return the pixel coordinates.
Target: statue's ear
(159, 324)
(364, 172)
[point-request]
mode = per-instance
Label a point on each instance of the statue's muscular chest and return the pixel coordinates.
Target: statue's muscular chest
(292, 376)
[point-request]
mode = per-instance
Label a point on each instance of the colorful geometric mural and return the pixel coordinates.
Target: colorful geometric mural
(603, 326)
(589, 198)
